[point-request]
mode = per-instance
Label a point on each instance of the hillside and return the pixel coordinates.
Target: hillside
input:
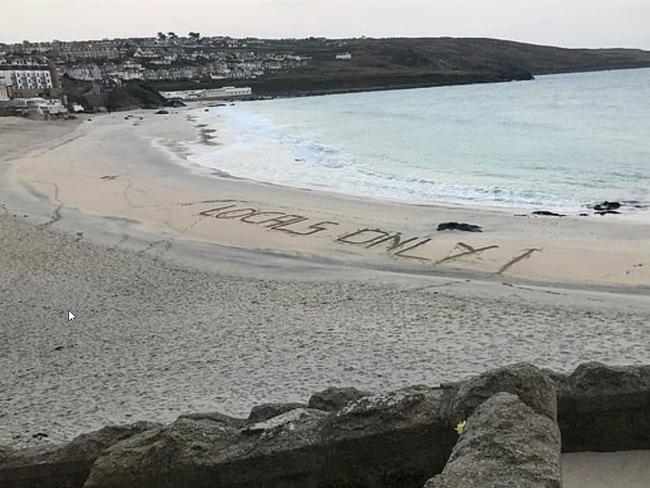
(417, 62)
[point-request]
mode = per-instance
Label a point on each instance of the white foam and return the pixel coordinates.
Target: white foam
(331, 144)
(253, 148)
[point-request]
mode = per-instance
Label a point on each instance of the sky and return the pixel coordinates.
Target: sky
(571, 23)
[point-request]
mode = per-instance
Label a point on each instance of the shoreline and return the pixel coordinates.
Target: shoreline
(315, 224)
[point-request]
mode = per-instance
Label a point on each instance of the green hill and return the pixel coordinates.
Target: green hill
(417, 62)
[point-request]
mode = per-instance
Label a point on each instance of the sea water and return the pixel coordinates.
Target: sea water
(560, 142)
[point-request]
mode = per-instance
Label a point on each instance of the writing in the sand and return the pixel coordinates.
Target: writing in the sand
(279, 221)
(391, 242)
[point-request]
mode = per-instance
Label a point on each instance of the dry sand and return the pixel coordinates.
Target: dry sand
(154, 338)
(179, 311)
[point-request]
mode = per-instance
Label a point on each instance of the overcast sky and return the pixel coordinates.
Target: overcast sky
(574, 23)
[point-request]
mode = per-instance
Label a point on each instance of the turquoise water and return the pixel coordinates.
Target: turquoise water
(558, 142)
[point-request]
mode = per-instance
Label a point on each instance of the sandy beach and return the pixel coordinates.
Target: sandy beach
(199, 292)
(132, 169)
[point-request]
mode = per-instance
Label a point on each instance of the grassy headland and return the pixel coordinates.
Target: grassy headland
(416, 62)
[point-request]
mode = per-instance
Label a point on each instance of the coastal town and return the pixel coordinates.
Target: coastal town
(59, 78)
(54, 78)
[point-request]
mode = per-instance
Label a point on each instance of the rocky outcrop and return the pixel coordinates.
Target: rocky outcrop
(354, 439)
(397, 439)
(267, 411)
(615, 208)
(548, 213)
(532, 385)
(179, 454)
(460, 226)
(67, 465)
(605, 408)
(607, 206)
(335, 398)
(505, 443)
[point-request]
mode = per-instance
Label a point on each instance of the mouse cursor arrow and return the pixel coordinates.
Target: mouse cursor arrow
(71, 316)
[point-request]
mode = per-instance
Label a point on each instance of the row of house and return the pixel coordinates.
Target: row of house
(166, 57)
(25, 80)
(28, 89)
(130, 70)
(31, 70)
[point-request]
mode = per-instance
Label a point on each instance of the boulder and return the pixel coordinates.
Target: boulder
(532, 385)
(201, 453)
(547, 213)
(267, 411)
(166, 456)
(505, 443)
(335, 398)
(607, 206)
(605, 408)
(64, 465)
(397, 439)
(459, 226)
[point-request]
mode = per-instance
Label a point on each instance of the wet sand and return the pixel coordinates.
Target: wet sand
(136, 170)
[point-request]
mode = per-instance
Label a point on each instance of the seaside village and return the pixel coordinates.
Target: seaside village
(56, 79)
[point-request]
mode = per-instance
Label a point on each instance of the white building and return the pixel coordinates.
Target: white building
(26, 79)
(39, 106)
(344, 56)
(230, 91)
(225, 92)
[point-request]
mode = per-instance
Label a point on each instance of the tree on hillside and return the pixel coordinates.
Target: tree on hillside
(162, 36)
(194, 36)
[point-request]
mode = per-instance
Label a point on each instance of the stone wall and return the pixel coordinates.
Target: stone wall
(509, 420)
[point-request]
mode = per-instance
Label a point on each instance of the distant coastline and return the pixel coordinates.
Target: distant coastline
(389, 64)
(305, 87)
